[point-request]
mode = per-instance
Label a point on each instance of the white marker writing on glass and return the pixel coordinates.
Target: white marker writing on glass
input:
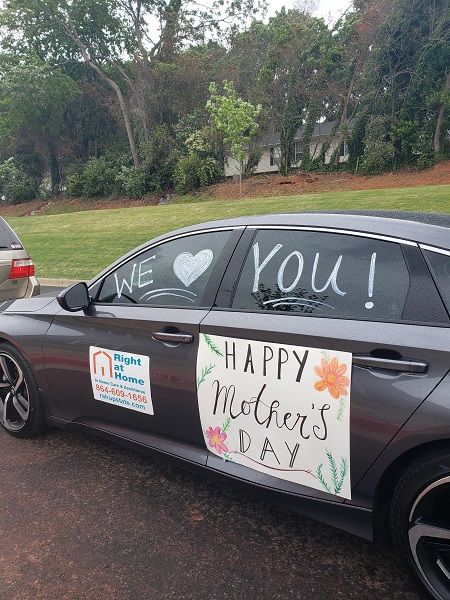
(370, 304)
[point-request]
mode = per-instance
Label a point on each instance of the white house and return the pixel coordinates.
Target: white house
(270, 146)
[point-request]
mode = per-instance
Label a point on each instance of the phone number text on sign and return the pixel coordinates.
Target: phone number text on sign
(121, 378)
(280, 409)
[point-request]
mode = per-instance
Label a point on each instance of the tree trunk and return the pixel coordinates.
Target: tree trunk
(54, 168)
(440, 119)
(125, 112)
(73, 34)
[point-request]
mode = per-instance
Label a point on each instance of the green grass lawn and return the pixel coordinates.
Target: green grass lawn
(78, 245)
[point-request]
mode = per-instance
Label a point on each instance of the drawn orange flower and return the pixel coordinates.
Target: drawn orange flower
(332, 378)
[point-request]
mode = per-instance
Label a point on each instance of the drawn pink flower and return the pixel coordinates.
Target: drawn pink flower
(217, 438)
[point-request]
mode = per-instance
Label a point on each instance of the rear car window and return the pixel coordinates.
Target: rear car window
(440, 266)
(8, 239)
(323, 274)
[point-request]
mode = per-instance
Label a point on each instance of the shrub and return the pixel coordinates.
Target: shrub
(379, 149)
(425, 161)
(378, 159)
(134, 182)
(99, 178)
(193, 171)
(16, 185)
(74, 180)
(94, 179)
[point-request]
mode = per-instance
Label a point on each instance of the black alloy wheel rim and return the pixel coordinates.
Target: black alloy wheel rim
(429, 536)
(14, 396)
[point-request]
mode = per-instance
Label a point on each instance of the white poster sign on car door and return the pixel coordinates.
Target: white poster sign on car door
(280, 409)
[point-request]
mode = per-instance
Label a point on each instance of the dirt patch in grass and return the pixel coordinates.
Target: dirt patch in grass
(307, 183)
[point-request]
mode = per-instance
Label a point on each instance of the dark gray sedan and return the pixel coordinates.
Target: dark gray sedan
(307, 354)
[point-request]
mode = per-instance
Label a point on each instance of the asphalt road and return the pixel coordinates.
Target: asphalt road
(50, 290)
(81, 518)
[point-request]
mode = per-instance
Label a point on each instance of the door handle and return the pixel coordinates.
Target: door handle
(402, 365)
(174, 338)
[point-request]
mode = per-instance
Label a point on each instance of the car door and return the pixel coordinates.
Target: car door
(367, 299)
(128, 365)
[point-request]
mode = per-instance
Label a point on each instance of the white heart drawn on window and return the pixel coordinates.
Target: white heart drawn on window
(188, 268)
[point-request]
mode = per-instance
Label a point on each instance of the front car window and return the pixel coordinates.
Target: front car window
(323, 274)
(173, 273)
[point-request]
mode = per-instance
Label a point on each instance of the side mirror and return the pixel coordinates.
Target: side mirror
(75, 298)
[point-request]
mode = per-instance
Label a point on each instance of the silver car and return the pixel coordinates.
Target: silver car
(17, 270)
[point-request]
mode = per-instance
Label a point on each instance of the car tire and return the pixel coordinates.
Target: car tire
(420, 522)
(21, 409)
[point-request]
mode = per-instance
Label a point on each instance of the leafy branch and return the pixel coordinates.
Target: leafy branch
(320, 477)
(344, 471)
(337, 478)
(227, 456)
(226, 425)
(211, 345)
(333, 469)
(341, 410)
(205, 372)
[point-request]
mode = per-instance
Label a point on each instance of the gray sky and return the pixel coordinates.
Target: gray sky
(326, 8)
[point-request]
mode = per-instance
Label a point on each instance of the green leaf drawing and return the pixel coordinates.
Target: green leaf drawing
(205, 372)
(333, 468)
(321, 478)
(211, 345)
(226, 425)
(226, 457)
(337, 478)
(341, 410)
(344, 471)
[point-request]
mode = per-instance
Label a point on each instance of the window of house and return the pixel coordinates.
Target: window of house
(272, 156)
(323, 274)
(298, 151)
(174, 273)
(343, 149)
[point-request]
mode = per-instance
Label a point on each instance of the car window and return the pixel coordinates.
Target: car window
(8, 238)
(174, 273)
(323, 274)
(440, 265)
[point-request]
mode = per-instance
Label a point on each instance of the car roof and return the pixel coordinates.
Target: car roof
(427, 228)
(430, 229)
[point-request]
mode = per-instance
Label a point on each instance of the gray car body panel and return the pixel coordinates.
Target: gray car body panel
(401, 413)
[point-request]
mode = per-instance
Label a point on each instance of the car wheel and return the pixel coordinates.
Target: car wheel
(21, 410)
(420, 522)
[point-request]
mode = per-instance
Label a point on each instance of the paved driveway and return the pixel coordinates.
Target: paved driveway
(81, 518)
(50, 290)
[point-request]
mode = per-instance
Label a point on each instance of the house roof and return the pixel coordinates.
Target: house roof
(323, 129)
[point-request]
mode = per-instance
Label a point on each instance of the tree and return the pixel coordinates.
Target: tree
(404, 75)
(236, 118)
(444, 105)
(33, 103)
(90, 31)
(112, 38)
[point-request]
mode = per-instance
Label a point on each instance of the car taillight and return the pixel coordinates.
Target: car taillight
(22, 267)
